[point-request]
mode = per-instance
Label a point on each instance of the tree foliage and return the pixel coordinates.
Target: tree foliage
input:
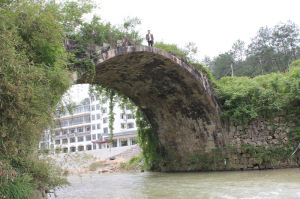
(32, 63)
(99, 32)
(271, 50)
(72, 13)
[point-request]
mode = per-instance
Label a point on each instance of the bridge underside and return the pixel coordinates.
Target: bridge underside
(176, 98)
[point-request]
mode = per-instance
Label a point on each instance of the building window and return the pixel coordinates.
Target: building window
(65, 132)
(80, 139)
(105, 130)
(93, 127)
(99, 136)
(79, 120)
(104, 110)
(57, 133)
(73, 149)
(94, 146)
(80, 148)
(94, 136)
(93, 117)
(72, 131)
(98, 116)
(129, 116)
(87, 128)
(92, 98)
(133, 141)
(114, 143)
(72, 140)
(123, 125)
(124, 142)
(130, 125)
(87, 108)
(58, 150)
(98, 126)
(104, 120)
(88, 138)
(65, 141)
(93, 107)
(65, 123)
(127, 108)
(57, 142)
(88, 147)
(122, 116)
(87, 118)
(99, 146)
(98, 106)
(80, 129)
(65, 150)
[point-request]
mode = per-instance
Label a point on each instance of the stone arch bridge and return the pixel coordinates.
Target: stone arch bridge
(177, 98)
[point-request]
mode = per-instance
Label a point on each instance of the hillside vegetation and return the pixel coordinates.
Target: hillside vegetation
(245, 98)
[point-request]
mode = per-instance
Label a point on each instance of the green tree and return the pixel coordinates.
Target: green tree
(99, 32)
(221, 65)
(72, 13)
(271, 50)
(238, 51)
(32, 62)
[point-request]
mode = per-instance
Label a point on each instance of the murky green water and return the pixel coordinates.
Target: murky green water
(273, 184)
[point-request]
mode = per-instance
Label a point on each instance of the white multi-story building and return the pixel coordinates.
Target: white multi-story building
(87, 128)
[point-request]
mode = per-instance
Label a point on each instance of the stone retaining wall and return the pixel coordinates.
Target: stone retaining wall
(259, 140)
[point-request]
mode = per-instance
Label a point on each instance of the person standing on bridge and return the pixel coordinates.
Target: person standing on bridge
(150, 38)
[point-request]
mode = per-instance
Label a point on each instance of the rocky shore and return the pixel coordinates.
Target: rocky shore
(97, 161)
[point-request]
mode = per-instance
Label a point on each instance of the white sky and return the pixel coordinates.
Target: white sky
(76, 93)
(214, 25)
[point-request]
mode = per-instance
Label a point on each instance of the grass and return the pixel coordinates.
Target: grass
(96, 165)
(133, 163)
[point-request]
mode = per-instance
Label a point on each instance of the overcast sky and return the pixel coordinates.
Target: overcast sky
(214, 25)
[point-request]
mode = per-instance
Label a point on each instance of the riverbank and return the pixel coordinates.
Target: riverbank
(98, 161)
(117, 160)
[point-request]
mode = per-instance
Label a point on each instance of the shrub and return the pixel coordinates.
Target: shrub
(244, 98)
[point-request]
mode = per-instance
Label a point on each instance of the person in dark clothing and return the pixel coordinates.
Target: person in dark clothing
(150, 38)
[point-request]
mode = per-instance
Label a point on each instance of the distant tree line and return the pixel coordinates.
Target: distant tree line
(271, 50)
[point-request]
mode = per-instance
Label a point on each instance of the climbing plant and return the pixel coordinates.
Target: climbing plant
(113, 97)
(148, 140)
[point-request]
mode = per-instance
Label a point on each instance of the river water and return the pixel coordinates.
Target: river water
(271, 184)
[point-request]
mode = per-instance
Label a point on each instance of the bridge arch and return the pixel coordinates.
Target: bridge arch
(177, 98)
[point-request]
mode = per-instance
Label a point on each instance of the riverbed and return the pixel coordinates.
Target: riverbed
(266, 184)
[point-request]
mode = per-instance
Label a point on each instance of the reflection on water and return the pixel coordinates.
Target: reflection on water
(273, 184)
